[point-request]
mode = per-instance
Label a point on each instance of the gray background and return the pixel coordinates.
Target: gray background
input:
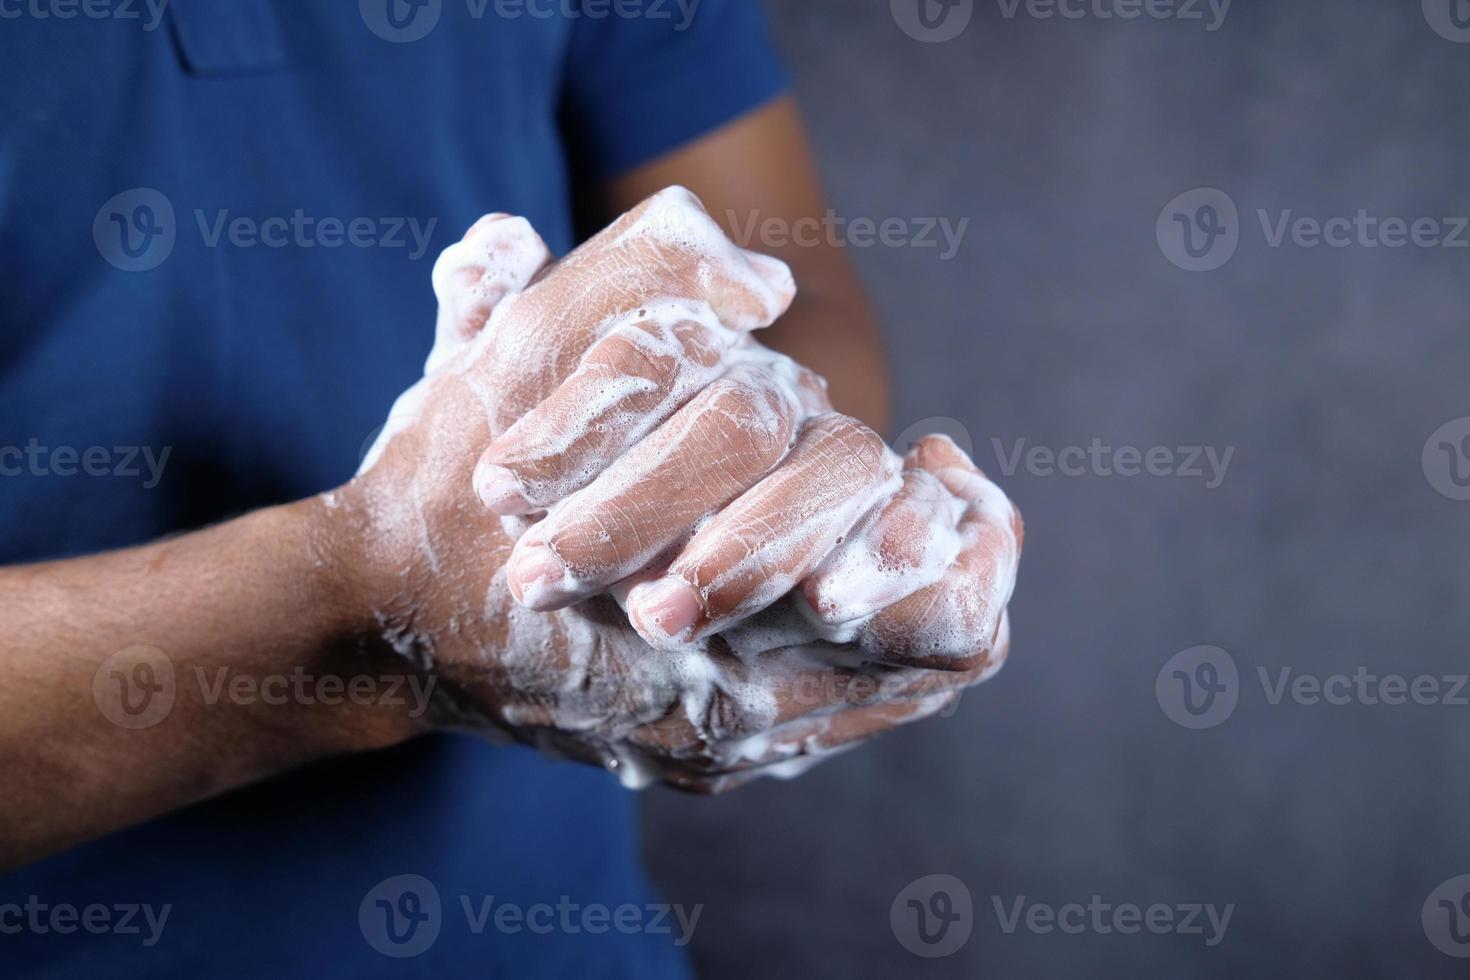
(1325, 549)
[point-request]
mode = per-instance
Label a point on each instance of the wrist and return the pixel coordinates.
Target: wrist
(381, 701)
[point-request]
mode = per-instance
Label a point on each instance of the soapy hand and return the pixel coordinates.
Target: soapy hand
(605, 431)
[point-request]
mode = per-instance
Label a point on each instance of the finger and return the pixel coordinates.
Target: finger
(748, 700)
(720, 443)
(498, 256)
(790, 749)
(770, 707)
(763, 544)
(898, 549)
(665, 251)
(747, 290)
(952, 624)
(629, 383)
(823, 734)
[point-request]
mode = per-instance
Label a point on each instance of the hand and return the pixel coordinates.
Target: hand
(625, 390)
(671, 427)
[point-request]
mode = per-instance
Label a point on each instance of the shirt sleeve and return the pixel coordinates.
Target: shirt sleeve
(640, 86)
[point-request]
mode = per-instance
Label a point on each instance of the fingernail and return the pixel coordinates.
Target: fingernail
(500, 490)
(532, 571)
(663, 610)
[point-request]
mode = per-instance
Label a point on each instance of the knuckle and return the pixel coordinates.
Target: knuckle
(851, 444)
(622, 355)
(697, 343)
(747, 410)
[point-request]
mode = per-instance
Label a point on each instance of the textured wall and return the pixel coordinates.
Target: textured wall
(1325, 549)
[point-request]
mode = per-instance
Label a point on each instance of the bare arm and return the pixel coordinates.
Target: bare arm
(759, 169)
(118, 703)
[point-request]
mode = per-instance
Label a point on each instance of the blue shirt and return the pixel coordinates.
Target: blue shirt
(217, 223)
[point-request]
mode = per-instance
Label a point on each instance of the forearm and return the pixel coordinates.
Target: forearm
(225, 627)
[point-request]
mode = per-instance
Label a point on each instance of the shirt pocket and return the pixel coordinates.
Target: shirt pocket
(227, 37)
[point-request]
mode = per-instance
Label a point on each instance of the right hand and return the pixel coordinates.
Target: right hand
(620, 388)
